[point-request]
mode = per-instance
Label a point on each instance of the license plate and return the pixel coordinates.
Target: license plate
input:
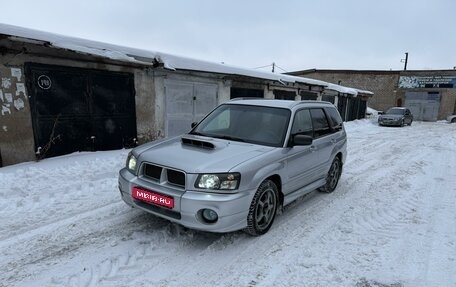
(152, 197)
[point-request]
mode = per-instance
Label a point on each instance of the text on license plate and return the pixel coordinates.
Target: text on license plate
(153, 197)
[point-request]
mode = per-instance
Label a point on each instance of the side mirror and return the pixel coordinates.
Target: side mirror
(301, 140)
(194, 124)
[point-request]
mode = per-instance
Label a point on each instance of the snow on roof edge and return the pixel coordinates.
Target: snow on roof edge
(172, 62)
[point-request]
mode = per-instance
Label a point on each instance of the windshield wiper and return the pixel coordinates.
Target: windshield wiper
(197, 134)
(225, 137)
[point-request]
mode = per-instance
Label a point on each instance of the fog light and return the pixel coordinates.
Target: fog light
(209, 215)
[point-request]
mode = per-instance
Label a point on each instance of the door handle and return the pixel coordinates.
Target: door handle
(333, 141)
(312, 148)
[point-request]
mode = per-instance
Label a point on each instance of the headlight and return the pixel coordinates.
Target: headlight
(219, 181)
(131, 163)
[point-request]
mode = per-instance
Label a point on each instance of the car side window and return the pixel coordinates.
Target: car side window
(336, 120)
(320, 123)
(302, 123)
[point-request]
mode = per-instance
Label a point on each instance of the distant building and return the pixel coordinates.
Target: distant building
(430, 94)
(61, 94)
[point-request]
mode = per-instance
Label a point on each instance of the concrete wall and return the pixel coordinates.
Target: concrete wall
(382, 84)
(16, 133)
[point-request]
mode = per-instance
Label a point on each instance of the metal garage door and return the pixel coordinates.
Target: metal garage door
(423, 105)
(187, 102)
(80, 109)
(246, 93)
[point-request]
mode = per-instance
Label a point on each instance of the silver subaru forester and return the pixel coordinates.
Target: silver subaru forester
(239, 165)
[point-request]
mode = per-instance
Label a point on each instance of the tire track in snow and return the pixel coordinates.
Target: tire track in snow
(142, 261)
(47, 245)
(159, 247)
(110, 268)
(438, 255)
(388, 222)
(54, 225)
(44, 192)
(304, 221)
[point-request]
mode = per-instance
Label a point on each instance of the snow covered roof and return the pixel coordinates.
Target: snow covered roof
(148, 58)
(364, 92)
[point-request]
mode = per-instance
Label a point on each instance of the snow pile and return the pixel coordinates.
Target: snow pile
(391, 222)
(371, 112)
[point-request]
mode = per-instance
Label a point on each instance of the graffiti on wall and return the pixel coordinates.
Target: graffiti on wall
(407, 82)
(12, 91)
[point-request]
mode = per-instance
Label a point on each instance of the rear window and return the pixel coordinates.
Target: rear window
(395, 111)
(320, 123)
(336, 120)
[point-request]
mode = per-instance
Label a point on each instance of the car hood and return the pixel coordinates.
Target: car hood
(196, 154)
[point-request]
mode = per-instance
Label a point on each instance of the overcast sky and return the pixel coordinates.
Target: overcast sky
(296, 35)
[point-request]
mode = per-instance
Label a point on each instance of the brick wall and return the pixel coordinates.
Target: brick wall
(384, 85)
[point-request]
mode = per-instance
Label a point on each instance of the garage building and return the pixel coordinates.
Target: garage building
(61, 94)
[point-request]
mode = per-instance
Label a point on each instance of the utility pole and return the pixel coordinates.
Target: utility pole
(405, 61)
(273, 67)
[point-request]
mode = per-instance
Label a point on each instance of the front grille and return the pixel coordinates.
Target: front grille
(176, 177)
(164, 175)
(153, 171)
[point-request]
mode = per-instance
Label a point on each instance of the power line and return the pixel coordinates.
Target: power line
(281, 68)
(273, 65)
(263, 66)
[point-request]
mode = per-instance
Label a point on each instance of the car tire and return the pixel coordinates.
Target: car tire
(263, 209)
(402, 123)
(410, 124)
(453, 121)
(333, 176)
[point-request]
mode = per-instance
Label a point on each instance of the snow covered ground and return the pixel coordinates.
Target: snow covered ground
(391, 222)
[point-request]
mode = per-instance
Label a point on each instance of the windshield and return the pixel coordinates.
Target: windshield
(394, 111)
(246, 123)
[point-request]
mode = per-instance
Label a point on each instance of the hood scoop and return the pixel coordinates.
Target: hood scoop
(198, 143)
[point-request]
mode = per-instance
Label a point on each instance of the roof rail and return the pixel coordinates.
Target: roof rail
(248, 98)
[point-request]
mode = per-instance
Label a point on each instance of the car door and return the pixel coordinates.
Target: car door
(300, 160)
(408, 116)
(324, 140)
(338, 137)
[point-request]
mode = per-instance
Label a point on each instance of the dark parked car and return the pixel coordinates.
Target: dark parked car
(396, 116)
(239, 165)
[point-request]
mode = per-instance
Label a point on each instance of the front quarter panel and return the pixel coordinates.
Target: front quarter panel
(255, 171)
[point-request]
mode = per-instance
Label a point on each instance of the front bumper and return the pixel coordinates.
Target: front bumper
(390, 122)
(232, 209)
